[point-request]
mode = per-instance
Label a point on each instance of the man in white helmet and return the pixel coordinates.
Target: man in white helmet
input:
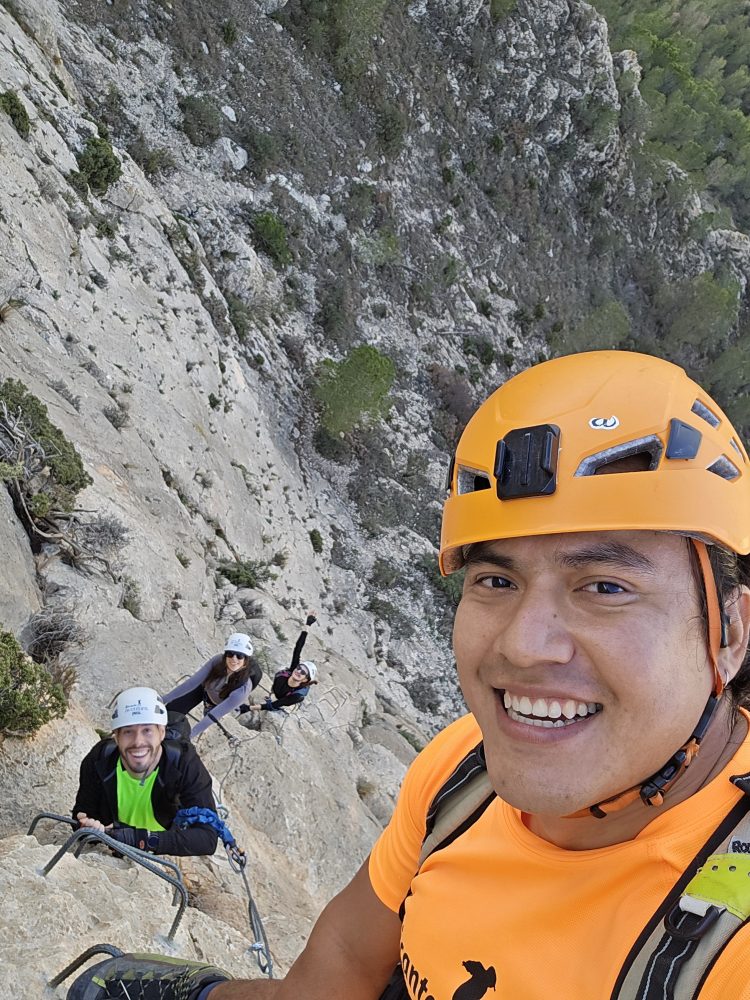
(132, 785)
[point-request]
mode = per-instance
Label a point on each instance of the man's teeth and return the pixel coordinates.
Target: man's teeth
(547, 713)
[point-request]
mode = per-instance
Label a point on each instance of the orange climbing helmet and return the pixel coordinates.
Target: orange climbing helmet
(528, 460)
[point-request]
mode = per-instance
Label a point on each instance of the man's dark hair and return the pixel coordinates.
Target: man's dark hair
(731, 571)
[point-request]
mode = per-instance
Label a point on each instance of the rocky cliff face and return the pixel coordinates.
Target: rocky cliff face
(468, 199)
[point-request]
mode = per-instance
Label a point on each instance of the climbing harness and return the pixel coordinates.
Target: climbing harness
(238, 863)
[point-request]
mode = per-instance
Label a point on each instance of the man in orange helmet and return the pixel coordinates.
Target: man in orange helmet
(583, 833)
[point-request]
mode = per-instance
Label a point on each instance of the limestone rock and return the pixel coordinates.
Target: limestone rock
(19, 593)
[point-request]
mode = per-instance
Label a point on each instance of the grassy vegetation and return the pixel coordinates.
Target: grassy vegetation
(12, 105)
(269, 235)
(697, 85)
(348, 391)
(340, 31)
(246, 573)
(499, 9)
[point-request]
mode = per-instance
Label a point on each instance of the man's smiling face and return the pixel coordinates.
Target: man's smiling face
(140, 747)
(584, 660)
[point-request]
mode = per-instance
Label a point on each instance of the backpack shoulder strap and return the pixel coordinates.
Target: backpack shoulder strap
(709, 904)
(458, 803)
(174, 751)
(108, 757)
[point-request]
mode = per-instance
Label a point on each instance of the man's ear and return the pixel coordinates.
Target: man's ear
(163, 731)
(731, 657)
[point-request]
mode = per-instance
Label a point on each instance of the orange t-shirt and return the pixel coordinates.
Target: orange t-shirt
(521, 919)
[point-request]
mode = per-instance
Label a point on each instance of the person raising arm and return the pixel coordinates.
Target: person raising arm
(222, 684)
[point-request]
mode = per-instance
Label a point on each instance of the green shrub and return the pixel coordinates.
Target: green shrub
(450, 586)
(316, 540)
(401, 625)
(351, 389)
(12, 105)
(153, 161)
(500, 9)
(381, 249)
(264, 149)
(391, 125)
(450, 270)
(605, 327)
(201, 120)
(481, 349)
(269, 235)
(239, 315)
(98, 166)
(117, 415)
(67, 476)
(384, 574)
(331, 446)
(246, 573)
(229, 32)
(699, 311)
(360, 204)
(29, 697)
(340, 31)
(336, 314)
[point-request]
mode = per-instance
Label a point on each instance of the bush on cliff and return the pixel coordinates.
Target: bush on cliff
(29, 697)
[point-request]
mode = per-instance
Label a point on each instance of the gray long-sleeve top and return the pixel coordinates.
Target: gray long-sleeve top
(235, 699)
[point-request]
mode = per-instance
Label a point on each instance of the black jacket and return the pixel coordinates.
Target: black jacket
(181, 781)
(284, 695)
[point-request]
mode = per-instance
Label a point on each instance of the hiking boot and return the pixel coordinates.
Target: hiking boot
(145, 977)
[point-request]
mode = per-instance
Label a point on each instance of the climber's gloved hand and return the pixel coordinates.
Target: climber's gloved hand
(145, 977)
(133, 836)
(311, 619)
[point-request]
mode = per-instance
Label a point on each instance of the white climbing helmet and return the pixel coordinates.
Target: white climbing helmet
(138, 706)
(312, 670)
(238, 642)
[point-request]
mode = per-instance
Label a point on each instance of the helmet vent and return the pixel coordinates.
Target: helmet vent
(734, 443)
(642, 455)
(724, 468)
(471, 480)
(702, 411)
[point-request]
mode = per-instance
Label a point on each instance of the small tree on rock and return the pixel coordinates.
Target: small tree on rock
(29, 697)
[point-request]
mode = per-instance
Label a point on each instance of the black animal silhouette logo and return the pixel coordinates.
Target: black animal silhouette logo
(480, 980)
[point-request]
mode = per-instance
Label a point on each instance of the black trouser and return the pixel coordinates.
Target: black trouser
(187, 701)
(396, 988)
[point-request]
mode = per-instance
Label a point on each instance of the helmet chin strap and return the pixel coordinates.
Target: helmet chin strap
(652, 791)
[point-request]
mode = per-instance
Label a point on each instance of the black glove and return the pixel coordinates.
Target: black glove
(310, 620)
(133, 837)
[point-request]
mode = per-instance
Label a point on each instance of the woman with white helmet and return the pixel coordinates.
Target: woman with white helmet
(292, 686)
(223, 683)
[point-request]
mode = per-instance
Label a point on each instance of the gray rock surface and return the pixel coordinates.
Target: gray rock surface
(455, 225)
